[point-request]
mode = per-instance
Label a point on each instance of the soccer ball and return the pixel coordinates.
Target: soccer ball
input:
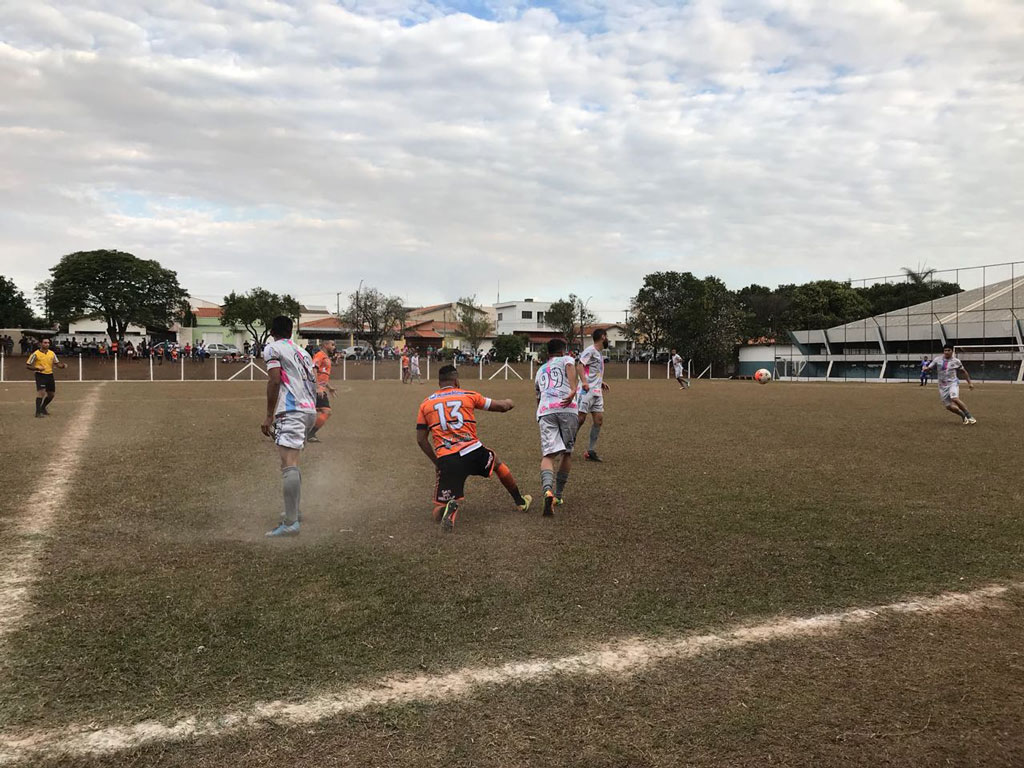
(763, 376)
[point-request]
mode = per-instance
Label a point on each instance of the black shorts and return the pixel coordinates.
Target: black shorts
(322, 401)
(453, 470)
(45, 381)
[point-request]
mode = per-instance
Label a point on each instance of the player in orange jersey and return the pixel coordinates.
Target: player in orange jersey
(322, 364)
(406, 377)
(446, 433)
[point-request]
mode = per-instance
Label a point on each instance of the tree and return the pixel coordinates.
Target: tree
(14, 308)
(375, 315)
(118, 287)
(256, 310)
(509, 346)
(824, 304)
(699, 317)
(762, 310)
(920, 276)
(569, 317)
(653, 310)
(474, 324)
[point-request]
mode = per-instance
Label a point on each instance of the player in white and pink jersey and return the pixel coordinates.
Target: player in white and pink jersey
(555, 384)
(590, 370)
(948, 368)
(291, 413)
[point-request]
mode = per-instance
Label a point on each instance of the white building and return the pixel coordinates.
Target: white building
(526, 316)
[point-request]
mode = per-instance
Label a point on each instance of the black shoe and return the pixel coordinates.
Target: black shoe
(592, 456)
(39, 414)
(45, 412)
(549, 503)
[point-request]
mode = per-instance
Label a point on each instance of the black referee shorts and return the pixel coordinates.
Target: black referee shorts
(45, 381)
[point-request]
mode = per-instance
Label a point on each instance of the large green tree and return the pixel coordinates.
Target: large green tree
(824, 304)
(14, 308)
(375, 316)
(474, 323)
(698, 316)
(509, 346)
(255, 310)
(118, 287)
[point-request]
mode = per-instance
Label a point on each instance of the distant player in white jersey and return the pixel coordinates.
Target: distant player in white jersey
(557, 410)
(590, 370)
(291, 413)
(947, 369)
(677, 367)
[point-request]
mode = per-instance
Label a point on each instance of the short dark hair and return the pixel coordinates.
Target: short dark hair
(947, 346)
(447, 373)
(556, 347)
(598, 333)
(281, 327)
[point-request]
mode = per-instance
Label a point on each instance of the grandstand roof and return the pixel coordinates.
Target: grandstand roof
(992, 312)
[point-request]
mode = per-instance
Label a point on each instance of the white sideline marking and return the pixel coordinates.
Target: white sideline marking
(31, 529)
(625, 657)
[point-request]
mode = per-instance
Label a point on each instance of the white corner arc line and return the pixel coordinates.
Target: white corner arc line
(27, 539)
(624, 657)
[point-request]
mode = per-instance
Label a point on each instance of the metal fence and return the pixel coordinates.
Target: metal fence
(94, 369)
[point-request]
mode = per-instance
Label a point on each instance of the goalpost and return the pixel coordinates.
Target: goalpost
(1006, 358)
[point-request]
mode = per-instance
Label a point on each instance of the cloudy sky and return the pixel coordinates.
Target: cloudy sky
(435, 149)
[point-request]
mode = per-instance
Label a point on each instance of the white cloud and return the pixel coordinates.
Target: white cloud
(305, 146)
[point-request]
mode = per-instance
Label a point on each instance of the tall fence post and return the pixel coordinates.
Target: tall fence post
(344, 368)
(373, 372)
(428, 367)
(150, 364)
(648, 370)
(181, 357)
(668, 370)
(252, 373)
(79, 366)
(2, 358)
(627, 369)
(115, 366)
(531, 368)
(506, 369)
(481, 369)
(215, 367)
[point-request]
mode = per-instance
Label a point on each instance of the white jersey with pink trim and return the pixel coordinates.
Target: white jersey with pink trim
(947, 369)
(298, 376)
(593, 367)
(552, 385)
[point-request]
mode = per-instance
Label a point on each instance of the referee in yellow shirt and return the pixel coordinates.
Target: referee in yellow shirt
(42, 361)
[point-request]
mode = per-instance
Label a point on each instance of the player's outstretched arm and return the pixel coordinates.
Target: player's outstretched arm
(423, 441)
(501, 406)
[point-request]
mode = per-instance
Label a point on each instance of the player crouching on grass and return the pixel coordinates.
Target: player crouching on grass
(291, 413)
(557, 419)
(446, 433)
(949, 383)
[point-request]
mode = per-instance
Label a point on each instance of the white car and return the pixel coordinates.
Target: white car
(358, 352)
(222, 350)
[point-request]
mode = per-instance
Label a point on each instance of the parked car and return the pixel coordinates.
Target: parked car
(357, 352)
(222, 350)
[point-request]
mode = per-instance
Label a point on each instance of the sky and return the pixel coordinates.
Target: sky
(436, 150)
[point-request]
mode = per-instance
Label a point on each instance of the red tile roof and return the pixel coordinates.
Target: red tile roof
(324, 322)
(207, 312)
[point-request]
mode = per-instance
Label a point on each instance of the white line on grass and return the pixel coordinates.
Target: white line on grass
(26, 540)
(625, 657)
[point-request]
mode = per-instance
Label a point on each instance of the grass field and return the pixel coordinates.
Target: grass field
(158, 597)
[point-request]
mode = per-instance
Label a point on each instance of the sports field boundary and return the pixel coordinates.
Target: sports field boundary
(32, 527)
(618, 658)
